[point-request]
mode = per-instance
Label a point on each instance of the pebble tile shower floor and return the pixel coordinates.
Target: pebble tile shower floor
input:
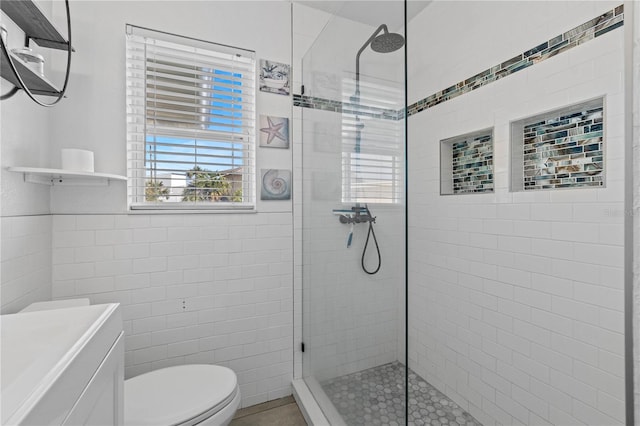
(376, 397)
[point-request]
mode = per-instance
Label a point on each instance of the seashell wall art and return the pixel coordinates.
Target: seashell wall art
(274, 132)
(276, 184)
(274, 77)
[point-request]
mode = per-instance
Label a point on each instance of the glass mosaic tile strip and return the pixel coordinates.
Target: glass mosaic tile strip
(579, 35)
(345, 107)
(582, 33)
(564, 151)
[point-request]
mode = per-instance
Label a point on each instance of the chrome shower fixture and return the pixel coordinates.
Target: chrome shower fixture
(357, 215)
(384, 43)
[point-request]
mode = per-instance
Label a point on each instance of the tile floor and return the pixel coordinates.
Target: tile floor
(376, 397)
(368, 398)
(280, 412)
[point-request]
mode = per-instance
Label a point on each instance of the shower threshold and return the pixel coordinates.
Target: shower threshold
(376, 397)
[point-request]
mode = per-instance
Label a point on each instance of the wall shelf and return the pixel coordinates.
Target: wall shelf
(28, 16)
(38, 84)
(65, 177)
(466, 163)
(560, 149)
(36, 26)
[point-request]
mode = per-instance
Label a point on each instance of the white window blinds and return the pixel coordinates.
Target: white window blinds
(372, 143)
(190, 122)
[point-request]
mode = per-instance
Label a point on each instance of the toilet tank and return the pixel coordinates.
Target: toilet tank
(55, 304)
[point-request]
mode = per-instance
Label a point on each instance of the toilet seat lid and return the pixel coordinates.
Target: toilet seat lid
(175, 395)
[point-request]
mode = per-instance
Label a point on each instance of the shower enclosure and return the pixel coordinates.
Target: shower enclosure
(353, 217)
(353, 224)
(499, 305)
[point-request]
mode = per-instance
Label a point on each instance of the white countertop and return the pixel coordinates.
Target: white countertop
(37, 347)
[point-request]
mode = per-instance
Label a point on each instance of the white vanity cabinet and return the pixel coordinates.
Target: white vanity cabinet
(62, 367)
(102, 399)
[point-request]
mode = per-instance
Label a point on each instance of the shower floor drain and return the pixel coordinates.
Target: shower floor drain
(376, 397)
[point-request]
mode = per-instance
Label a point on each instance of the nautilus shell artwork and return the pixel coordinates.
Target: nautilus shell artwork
(276, 184)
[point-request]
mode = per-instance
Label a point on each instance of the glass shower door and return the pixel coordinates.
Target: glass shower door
(353, 237)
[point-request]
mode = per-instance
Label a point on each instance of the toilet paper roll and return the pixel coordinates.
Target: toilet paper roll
(34, 61)
(78, 160)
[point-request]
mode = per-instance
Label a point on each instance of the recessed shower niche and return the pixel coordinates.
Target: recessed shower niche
(563, 148)
(466, 163)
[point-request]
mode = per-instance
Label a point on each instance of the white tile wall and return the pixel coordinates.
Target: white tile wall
(25, 270)
(450, 250)
(25, 267)
(523, 292)
(233, 272)
(351, 320)
(194, 288)
(635, 207)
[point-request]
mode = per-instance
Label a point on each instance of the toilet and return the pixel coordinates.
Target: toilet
(182, 395)
(185, 395)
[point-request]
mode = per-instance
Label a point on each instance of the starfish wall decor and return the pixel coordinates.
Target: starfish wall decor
(274, 132)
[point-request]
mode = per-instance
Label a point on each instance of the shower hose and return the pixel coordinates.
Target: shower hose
(371, 233)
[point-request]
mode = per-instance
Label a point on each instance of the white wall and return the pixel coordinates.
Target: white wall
(238, 298)
(307, 24)
(25, 272)
(26, 261)
(635, 71)
(516, 299)
(94, 116)
(194, 289)
(213, 288)
(233, 271)
(350, 319)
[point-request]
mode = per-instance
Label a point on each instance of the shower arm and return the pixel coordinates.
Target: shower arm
(366, 44)
(356, 97)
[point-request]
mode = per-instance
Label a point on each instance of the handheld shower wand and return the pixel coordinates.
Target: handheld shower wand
(361, 215)
(370, 233)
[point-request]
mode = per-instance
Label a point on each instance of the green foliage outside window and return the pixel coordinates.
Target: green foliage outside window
(205, 185)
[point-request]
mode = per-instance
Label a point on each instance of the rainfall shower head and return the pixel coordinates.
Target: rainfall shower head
(384, 43)
(387, 42)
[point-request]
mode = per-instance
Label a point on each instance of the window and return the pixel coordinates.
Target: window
(190, 123)
(372, 149)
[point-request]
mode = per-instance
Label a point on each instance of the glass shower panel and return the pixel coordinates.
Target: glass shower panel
(353, 237)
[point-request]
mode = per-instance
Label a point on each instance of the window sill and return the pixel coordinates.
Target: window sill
(136, 209)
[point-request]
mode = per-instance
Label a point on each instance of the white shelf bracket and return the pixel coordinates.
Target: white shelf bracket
(39, 179)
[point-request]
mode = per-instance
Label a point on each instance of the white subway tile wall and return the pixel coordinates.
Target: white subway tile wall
(209, 288)
(26, 261)
(351, 319)
(635, 205)
(516, 299)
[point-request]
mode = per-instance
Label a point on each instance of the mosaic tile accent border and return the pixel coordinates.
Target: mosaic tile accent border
(345, 107)
(574, 37)
(467, 164)
(563, 150)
